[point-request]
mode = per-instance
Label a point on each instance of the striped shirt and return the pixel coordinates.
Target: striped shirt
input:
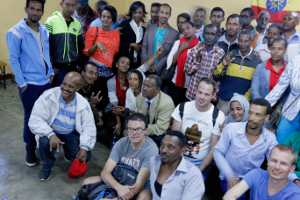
(289, 77)
(203, 68)
(64, 122)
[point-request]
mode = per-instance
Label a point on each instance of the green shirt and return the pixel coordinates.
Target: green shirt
(294, 141)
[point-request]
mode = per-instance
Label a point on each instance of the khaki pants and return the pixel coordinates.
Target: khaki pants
(223, 105)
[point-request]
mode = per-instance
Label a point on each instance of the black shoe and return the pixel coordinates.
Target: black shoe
(31, 159)
(66, 159)
(45, 175)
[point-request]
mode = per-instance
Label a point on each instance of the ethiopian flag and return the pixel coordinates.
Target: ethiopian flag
(277, 8)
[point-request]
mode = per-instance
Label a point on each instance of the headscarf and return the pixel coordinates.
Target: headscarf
(245, 105)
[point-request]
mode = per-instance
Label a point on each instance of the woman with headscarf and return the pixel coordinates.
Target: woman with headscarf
(239, 108)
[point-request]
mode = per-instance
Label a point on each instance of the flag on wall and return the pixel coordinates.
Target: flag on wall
(277, 8)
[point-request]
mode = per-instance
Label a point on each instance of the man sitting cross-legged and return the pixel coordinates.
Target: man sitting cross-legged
(134, 151)
(171, 170)
(273, 183)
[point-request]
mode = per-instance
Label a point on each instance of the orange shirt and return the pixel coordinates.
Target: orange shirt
(110, 40)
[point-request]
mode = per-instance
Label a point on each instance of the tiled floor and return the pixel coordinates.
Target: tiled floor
(17, 181)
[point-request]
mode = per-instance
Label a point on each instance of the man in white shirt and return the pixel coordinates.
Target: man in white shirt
(198, 120)
(199, 18)
(169, 169)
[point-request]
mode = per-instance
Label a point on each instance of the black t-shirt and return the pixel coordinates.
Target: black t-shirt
(87, 93)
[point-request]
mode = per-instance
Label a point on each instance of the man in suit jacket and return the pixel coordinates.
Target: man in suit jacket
(157, 105)
(159, 33)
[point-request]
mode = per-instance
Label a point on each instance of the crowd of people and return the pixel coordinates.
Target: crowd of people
(170, 104)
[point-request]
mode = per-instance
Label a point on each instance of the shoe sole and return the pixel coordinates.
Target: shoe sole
(67, 159)
(44, 180)
(30, 164)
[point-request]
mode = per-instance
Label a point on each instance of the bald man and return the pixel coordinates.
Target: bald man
(289, 23)
(61, 116)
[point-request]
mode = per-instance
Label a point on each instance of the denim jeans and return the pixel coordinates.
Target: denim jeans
(61, 72)
(205, 172)
(71, 148)
(286, 128)
(28, 98)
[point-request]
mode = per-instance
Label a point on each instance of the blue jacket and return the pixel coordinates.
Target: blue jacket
(261, 83)
(24, 55)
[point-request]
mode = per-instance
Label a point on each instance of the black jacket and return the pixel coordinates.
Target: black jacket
(126, 38)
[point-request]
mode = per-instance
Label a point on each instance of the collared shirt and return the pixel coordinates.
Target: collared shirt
(85, 22)
(184, 184)
(235, 156)
(260, 38)
(289, 77)
(264, 52)
(151, 101)
(199, 31)
(203, 68)
(80, 19)
(274, 76)
(294, 39)
(224, 39)
(64, 122)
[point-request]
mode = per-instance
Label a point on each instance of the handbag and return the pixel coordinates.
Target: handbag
(167, 74)
(277, 113)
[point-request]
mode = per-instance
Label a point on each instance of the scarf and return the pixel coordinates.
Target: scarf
(180, 78)
(245, 105)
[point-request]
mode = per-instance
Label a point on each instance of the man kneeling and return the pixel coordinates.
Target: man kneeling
(134, 151)
(273, 183)
(61, 116)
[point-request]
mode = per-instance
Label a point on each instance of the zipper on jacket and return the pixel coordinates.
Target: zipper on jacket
(241, 64)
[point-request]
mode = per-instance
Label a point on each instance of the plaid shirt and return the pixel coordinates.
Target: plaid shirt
(203, 68)
(91, 16)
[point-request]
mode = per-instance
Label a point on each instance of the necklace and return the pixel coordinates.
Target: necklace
(87, 89)
(123, 84)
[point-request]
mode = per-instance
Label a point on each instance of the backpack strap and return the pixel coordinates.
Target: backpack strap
(181, 109)
(215, 115)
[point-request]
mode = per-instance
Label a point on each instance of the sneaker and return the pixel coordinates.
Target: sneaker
(66, 159)
(31, 159)
(45, 175)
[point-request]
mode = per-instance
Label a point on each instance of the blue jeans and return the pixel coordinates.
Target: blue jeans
(205, 172)
(61, 72)
(71, 148)
(223, 185)
(28, 98)
(286, 128)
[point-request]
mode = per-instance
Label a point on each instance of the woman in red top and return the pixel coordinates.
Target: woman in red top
(102, 43)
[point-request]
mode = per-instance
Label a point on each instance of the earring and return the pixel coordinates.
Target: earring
(117, 66)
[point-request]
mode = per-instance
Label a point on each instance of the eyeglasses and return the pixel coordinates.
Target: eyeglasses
(137, 130)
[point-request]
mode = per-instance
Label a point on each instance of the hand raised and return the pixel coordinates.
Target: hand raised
(95, 99)
(159, 48)
(227, 60)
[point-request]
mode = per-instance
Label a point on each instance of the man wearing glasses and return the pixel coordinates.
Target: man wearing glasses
(134, 151)
(66, 41)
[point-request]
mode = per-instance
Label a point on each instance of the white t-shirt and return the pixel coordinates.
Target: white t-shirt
(192, 118)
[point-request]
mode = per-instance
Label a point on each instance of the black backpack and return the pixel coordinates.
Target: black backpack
(124, 174)
(214, 115)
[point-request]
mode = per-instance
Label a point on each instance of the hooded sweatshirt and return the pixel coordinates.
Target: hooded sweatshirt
(66, 42)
